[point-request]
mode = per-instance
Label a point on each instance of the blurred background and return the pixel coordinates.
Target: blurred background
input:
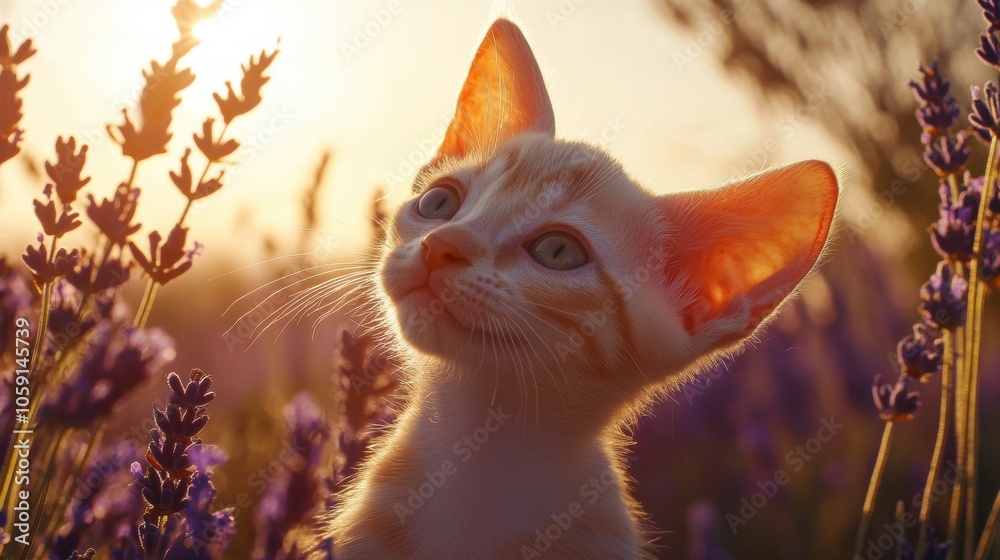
(687, 93)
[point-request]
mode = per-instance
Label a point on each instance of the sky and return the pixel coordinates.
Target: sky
(375, 82)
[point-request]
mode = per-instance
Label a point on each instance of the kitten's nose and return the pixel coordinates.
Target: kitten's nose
(439, 253)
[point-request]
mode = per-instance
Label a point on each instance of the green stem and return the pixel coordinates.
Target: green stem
(81, 311)
(187, 208)
(990, 531)
(131, 175)
(33, 374)
(955, 517)
(944, 417)
(146, 305)
(976, 297)
(161, 525)
(66, 489)
(204, 173)
(43, 314)
(972, 446)
(46, 474)
(876, 481)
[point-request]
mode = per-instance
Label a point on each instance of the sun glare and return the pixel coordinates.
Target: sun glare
(227, 35)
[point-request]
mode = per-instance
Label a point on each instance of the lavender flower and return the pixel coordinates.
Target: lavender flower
(113, 367)
(148, 531)
(946, 154)
(90, 516)
(919, 354)
(985, 115)
(937, 110)
(942, 298)
(234, 105)
(290, 502)
(989, 49)
(56, 225)
(114, 216)
(42, 271)
(364, 378)
(66, 173)
(994, 203)
(991, 12)
(954, 232)
(213, 150)
(894, 402)
(989, 46)
(184, 179)
(164, 261)
(990, 270)
(164, 495)
(10, 102)
(159, 97)
(64, 322)
(205, 534)
(88, 555)
(92, 276)
(934, 551)
(179, 424)
(15, 301)
(166, 483)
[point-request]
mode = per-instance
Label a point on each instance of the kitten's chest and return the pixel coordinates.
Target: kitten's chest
(474, 491)
(481, 491)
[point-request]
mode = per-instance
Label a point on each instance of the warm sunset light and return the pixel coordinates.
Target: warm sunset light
(499, 280)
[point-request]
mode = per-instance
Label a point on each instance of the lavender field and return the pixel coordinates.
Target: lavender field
(193, 199)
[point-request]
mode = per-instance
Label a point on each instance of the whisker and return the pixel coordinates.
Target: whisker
(521, 370)
(296, 302)
(311, 295)
(338, 304)
(347, 267)
(331, 234)
(269, 298)
(355, 227)
(555, 360)
(293, 255)
(276, 292)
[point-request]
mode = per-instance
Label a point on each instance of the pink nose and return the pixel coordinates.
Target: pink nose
(438, 253)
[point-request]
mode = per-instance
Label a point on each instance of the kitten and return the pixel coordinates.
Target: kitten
(542, 298)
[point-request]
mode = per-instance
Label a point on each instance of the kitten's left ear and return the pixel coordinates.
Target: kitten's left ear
(741, 250)
(503, 96)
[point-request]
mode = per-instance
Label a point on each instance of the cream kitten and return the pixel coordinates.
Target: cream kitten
(542, 298)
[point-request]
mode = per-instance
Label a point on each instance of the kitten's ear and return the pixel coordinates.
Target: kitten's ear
(743, 248)
(503, 96)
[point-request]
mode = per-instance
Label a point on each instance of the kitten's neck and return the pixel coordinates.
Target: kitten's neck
(537, 407)
(456, 458)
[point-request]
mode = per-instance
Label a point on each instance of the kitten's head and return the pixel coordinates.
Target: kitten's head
(541, 270)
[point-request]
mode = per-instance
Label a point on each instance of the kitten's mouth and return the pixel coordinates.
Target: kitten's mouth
(462, 303)
(434, 306)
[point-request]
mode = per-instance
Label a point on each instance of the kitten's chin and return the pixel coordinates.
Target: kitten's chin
(428, 324)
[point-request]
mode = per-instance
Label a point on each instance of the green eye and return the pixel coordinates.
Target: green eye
(439, 203)
(558, 250)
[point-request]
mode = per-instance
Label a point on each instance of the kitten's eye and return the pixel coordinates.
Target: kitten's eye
(559, 251)
(439, 203)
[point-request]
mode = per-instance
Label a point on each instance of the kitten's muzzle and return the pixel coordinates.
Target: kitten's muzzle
(437, 253)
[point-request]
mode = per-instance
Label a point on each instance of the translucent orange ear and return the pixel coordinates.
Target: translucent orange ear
(743, 248)
(503, 96)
